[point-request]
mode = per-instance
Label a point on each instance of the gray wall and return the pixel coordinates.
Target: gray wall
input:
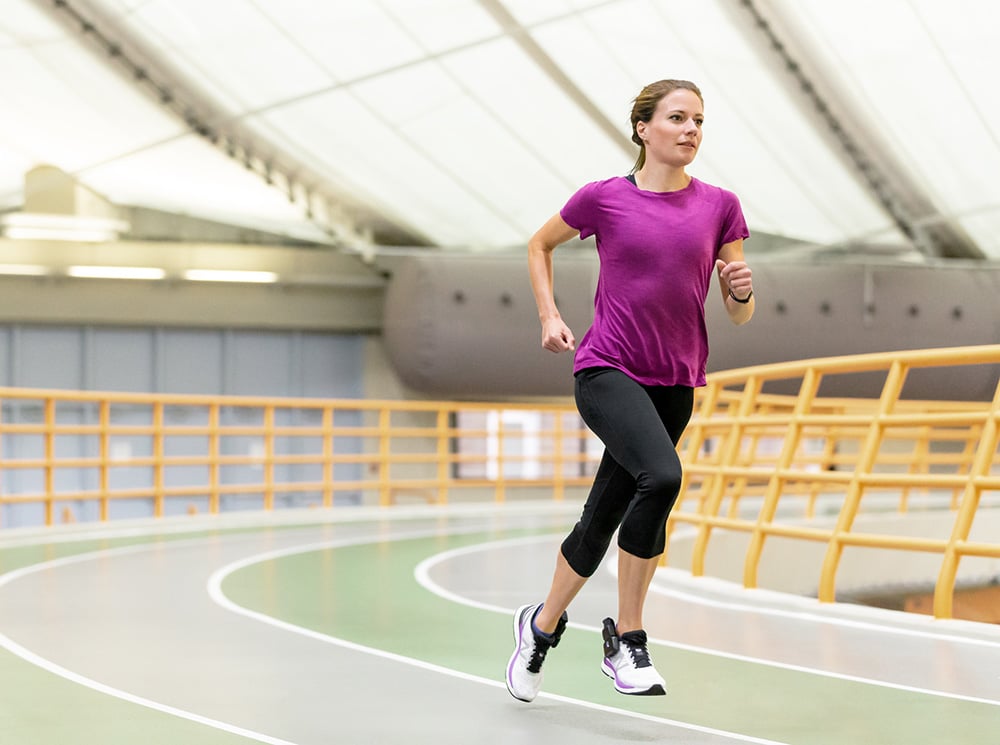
(172, 360)
(163, 360)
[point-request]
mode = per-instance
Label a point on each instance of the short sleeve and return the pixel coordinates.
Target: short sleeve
(581, 211)
(734, 225)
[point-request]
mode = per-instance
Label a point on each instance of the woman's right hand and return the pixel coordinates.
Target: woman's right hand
(557, 337)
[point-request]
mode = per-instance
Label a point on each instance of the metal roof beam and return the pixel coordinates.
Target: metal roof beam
(347, 222)
(517, 32)
(904, 201)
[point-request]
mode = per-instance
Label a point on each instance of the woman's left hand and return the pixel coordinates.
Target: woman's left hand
(737, 276)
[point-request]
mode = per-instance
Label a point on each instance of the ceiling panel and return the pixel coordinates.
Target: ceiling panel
(349, 40)
(62, 105)
(229, 49)
(757, 142)
(467, 132)
(440, 26)
(917, 82)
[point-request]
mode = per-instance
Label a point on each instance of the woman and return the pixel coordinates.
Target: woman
(660, 233)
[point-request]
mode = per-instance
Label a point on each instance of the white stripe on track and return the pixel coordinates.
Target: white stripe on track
(215, 591)
(28, 656)
(422, 575)
(35, 659)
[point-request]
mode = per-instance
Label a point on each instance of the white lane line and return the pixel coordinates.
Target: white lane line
(215, 591)
(28, 656)
(422, 575)
(35, 659)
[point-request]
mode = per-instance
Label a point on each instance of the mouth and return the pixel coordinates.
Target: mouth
(688, 144)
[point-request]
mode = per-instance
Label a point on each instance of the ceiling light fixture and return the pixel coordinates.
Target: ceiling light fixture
(227, 275)
(24, 270)
(116, 272)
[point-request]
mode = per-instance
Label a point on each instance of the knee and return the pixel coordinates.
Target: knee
(662, 483)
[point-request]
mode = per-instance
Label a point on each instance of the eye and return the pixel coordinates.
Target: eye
(699, 122)
(675, 117)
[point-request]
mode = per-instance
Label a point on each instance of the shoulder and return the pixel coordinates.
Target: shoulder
(597, 196)
(716, 193)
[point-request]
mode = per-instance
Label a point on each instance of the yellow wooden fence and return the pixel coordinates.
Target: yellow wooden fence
(747, 452)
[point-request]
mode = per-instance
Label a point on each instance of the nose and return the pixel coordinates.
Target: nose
(691, 127)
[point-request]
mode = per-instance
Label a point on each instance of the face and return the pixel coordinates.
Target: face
(673, 135)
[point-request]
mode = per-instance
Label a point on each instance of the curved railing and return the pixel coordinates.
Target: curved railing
(765, 467)
(846, 449)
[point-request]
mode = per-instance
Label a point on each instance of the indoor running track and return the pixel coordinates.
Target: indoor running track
(393, 626)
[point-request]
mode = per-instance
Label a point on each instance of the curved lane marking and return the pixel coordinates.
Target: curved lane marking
(28, 656)
(35, 659)
(215, 591)
(422, 575)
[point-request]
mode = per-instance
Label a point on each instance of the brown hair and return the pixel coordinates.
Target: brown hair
(644, 106)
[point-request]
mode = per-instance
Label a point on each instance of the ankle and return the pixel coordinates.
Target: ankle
(627, 625)
(545, 621)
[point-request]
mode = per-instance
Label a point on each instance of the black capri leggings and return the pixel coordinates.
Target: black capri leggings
(639, 477)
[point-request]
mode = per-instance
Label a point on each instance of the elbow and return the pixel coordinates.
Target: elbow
(539, 244)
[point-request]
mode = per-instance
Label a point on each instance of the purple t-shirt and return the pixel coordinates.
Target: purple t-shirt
(657, 256)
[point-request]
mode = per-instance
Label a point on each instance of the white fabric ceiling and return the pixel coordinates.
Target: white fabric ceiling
(466, 123)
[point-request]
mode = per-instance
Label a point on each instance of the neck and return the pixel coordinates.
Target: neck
(660, 177)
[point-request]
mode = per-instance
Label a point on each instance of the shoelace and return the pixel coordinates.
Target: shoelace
(541, 646)
(637, 649)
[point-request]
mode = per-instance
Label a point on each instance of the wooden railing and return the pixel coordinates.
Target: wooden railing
(756, 463)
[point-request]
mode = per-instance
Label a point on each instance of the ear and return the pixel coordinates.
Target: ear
(640, 129)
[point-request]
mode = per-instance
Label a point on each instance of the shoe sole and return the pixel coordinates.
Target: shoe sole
(654, 690)
(517, 651)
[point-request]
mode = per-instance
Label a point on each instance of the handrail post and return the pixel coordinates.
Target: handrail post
(717, 490)
(500, 492)
(803, 403)
(213, 458)
(327, 459)
(158, 455)
(944, 590)
(269, 458)
(443, 455)
(104, 418)
(965, 460)
(852, 500)
(50, 451)
(825, 464)
(919, 463)
(384, 454)
(2, 470)
(558, 477)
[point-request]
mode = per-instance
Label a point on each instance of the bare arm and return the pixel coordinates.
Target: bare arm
(735, 281)
(556, 335)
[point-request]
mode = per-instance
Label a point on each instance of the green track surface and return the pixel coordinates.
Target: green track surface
(368, 595)
(40, 708)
